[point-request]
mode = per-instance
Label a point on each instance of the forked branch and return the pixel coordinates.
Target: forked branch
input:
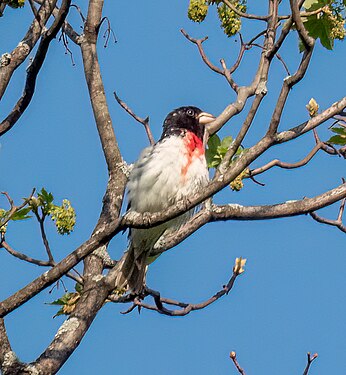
(310, 359)
(143, 121)
(186, 308)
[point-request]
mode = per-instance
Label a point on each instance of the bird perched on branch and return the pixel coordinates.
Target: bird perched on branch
(165, 173)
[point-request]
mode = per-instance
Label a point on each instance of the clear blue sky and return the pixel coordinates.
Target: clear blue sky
(290, 300)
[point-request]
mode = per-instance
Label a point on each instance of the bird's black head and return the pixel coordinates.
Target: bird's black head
(189, 118)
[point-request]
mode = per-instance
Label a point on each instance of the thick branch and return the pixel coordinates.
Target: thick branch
(95, 290)
(238, 212)
(5, 347)
(102, 235)
(307, 40)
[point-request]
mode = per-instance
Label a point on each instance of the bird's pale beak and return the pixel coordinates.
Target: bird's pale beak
(205, 118)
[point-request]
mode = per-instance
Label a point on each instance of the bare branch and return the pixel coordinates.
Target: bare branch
(336, 223)
(13, 208)
(307, 40)
(288, 83)
(244, 15)
(239, 212)
(2, 8)
(186, 308)
(144, 122)
(5, 346)
(241, 135)
(22, 256)
(20, 53)
(311, 358)
(34, 69)
(233, 357)
(198, 43)
(315, 121)
(285, 165)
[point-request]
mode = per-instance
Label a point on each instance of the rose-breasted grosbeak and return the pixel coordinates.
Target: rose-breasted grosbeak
(173, 169)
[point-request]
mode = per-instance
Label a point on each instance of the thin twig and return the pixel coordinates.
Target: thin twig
(335, 223)
(186, 308)
(245, 15)
(42, 263)
(13, 208)
(284, 165)
(109, 31)
(64, 40)
(79, 12)
(44, 237)
(198, 43)
(233, 357)
(310, 358)
(21, 256)
(225, 72)
(283, 63)
(144, 122)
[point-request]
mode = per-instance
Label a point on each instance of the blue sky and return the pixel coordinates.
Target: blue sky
(290, 300)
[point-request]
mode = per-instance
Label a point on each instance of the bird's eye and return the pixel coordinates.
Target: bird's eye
(190, 112)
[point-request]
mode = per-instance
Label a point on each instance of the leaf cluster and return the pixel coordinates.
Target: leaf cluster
(68, 301)
(339, 138)
(14, 3)
(42, 206)
(328, 24)
(215, 153)
(230, 21)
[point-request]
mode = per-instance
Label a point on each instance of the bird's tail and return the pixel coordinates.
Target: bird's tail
(131, 272)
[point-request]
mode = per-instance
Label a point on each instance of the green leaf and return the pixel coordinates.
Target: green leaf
(226, 142)
(214, 142)
(78, 288)
(45, 196)
(60, 312)
(311, 5)
(338, 140)
(341, 131)
(21, 214)
(320, 28)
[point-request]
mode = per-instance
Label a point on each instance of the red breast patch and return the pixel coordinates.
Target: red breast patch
(194, 149)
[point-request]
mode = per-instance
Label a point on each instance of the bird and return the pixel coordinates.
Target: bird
(171, 170)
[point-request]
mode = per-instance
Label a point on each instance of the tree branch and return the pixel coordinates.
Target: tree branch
(285, 165)
(20, 53)
(315, 121)
(186, 308)
(237, 212)
(233, 357)
(336, 223)
(24, 257)
(34, 69)
(144, 122)
(244, 15)
(311, 358)
(307, 40)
